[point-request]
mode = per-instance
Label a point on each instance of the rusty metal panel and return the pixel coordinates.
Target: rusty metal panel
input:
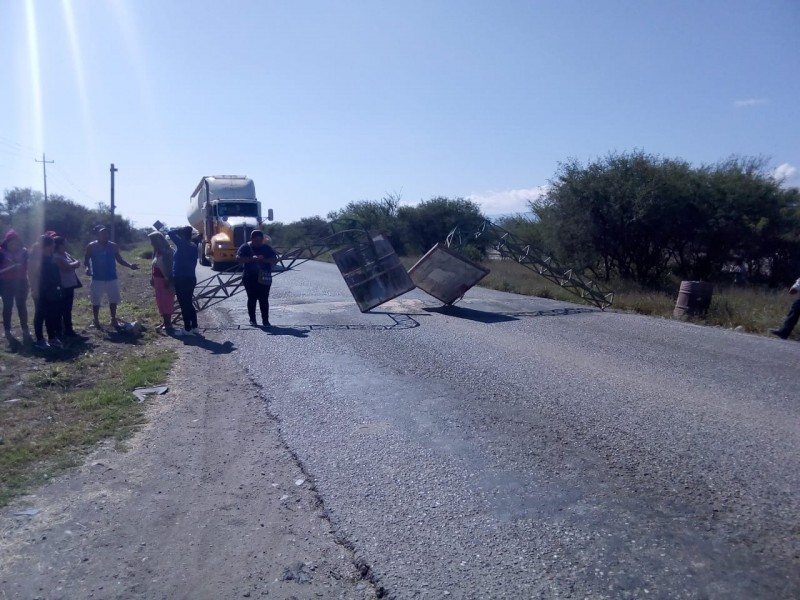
(373, 272)
(446, 275)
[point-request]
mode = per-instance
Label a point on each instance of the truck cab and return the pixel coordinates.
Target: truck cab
(224, 210)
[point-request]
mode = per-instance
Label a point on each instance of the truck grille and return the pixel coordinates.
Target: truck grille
(241, 234)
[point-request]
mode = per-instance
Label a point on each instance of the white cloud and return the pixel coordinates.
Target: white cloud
(508, 201)
(749, 102)
(784, 172)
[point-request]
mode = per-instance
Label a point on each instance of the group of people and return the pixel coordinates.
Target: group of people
(173, 277)
(49, 273)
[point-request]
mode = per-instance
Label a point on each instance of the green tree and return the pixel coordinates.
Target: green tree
(642, 216)
(430, 221)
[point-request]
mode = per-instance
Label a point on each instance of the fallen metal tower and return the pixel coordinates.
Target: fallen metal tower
(507, 245)
(225, 284)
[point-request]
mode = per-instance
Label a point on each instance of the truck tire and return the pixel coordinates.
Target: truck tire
(201, 255)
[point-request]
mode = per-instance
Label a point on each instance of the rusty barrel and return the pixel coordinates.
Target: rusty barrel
(694, 298)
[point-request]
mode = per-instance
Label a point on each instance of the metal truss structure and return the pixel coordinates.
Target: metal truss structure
(225, 284)
(507, 245)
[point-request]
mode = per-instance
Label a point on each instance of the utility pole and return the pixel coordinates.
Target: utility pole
(44, 172)
(113, 170)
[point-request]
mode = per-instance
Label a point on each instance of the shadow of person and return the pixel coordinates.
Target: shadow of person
(225, 347)
(292, 331)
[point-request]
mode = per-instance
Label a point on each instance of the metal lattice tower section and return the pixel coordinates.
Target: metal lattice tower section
(225, 284)
(509, 246)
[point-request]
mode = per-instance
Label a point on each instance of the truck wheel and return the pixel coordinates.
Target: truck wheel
(201, 255)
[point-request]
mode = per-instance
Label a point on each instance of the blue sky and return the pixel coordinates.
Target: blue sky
(327, 102)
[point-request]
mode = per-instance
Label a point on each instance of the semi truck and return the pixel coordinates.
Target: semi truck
(224, 210)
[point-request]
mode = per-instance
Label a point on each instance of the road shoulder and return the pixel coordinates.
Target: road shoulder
(207, 502)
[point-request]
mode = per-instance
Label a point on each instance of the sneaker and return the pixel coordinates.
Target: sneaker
(180, 332)
(41, 344)
(253, 323)
(267, 324)
(196, 332)
(779, 333)
(56, 343)
(189, 333)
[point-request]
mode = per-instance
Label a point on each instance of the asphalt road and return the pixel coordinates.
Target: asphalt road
(515, 447)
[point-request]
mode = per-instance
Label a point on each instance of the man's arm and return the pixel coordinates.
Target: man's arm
(121, 260)
(245, 255)
(795, 288)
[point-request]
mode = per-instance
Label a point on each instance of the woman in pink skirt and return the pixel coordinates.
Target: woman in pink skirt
(161, 278)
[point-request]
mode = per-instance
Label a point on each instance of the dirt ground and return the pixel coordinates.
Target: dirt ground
(207, 502)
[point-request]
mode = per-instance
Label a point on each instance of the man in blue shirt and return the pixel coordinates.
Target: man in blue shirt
(184, 278)
(100, 260)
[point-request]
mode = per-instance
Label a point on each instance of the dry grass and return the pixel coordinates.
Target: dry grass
(753, 309)
(57, 403)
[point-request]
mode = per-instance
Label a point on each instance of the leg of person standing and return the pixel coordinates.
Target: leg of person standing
(67, 303)
(7, 294)
(263, 303)
(53, 311)
(38, 321)
(184, 288)
(165, 300)
(192, 283)
(21, 298)
(791, 320)
(251, 288)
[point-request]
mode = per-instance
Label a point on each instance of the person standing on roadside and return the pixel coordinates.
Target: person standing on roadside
(161, 277)
(100, 260)
(258, 258)
(67, 266)
(14, 285)
(48, 297)
(785, 330)
(184, 278)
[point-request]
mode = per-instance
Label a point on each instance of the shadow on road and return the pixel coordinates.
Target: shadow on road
(225, 347)
(471, 314)
(292, 331)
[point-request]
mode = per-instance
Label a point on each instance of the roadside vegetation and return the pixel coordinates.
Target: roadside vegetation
(753, 309)
(57, 404)
(636, 223)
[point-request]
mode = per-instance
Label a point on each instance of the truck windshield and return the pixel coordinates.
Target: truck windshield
(237, 209)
